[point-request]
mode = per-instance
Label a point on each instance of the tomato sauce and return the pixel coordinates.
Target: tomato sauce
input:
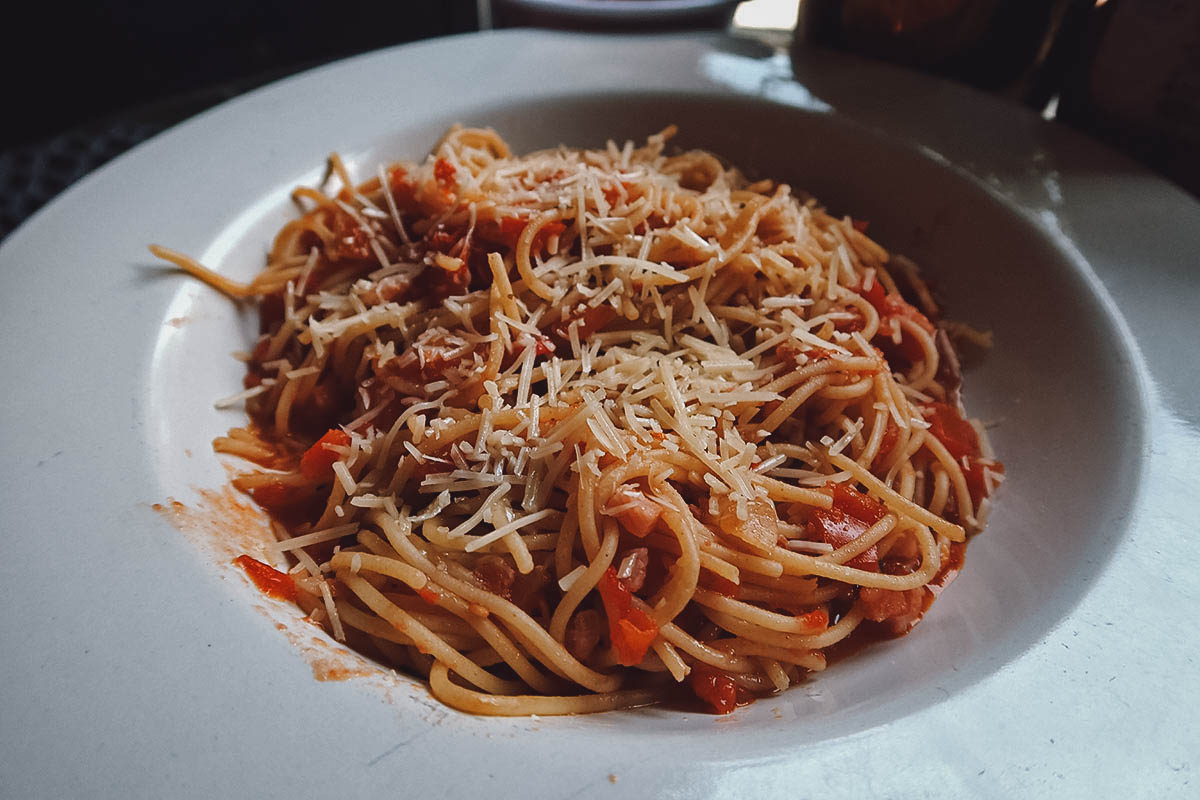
(269, 580)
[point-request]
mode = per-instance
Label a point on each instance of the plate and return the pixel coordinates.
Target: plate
(137, 661)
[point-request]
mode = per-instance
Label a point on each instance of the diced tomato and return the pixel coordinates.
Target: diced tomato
(949, 427)
(269, 580)
(441, 283)
(429, 595)
(791, 351)
(952, 564)
(278, 496)
(893, 305)
(719, 584)
(877, 297)
(838, 528)
(899, 307)
(635, 634)
(717, 689)
(612, 192)
(910, 348)
(631, 629)
(290, 504)
(592, 320)
(861, 506)
(509, 230)
(445, 173)
(818, 354)
(891, 433)
(976, 483)
(317, 461)
(403, 192)
(814, 621)
(398, 179)
(351, 240)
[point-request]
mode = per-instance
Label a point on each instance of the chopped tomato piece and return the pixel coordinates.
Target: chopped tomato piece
(445, 283)
(635, 635)
(838, 528)
(893, 305)
(317, 461)
(949, 427)
(429, 595)
(402, 189)
(351, 240)
(719, 584)
(717, 689)
(899, 307)
(269, 580)
(877, 297)
(791, 351)
(444, 173)
(976, 483)
(910, 348)
(277, 496)
(891, 433)
(397, 178)
(612, 192)
(592, 320)
(631, 629)
(511, 228)
(814, 621)
(861, 506)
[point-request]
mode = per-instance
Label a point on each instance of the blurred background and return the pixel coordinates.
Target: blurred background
(86, 81)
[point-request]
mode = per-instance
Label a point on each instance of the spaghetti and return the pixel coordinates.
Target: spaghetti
(563, 431)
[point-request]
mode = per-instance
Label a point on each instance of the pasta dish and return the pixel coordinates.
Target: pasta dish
(586, 429)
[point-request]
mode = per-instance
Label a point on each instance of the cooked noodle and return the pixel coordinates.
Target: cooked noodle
(563, 431)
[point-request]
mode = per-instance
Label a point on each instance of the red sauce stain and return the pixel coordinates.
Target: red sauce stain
(228, 528)
(324, 671)
(224, 523)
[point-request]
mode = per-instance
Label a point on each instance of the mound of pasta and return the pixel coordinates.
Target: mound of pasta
(586, 429)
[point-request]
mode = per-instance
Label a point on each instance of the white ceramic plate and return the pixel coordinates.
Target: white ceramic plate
(136, 661)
